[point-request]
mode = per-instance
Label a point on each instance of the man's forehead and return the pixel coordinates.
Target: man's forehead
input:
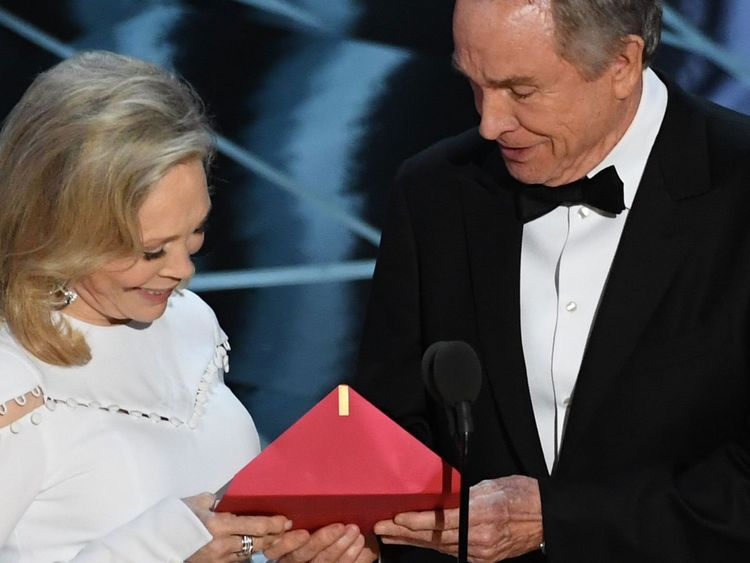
(540, 3)
(513, 8)
(495, 81)
(489, 15)
(490, 34)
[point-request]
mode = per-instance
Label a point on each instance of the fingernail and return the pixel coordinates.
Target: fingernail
(288, 525)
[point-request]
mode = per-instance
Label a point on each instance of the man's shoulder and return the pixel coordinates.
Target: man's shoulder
(703, 147)
(723, 125)
(718, 113)
(454, 152)
(728, 129)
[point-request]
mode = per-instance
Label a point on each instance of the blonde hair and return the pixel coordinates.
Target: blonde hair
(78, 155)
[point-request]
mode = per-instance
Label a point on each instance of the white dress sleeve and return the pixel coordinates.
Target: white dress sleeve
(167, 532)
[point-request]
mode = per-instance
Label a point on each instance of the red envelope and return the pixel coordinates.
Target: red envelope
(343, 461)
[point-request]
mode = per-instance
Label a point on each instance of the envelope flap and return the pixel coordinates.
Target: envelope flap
(335, 450)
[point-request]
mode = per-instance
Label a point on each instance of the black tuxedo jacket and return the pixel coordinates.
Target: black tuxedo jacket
(655, 461)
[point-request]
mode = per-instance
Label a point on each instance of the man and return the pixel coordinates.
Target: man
(613, 332)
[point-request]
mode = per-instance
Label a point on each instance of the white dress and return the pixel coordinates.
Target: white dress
(96, 473)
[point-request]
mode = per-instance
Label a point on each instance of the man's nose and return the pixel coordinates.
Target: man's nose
(497, 115)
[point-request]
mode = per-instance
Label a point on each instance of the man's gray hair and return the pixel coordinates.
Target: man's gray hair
(589, 32)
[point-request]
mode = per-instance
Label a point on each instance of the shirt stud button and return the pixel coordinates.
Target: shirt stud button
(571, 307)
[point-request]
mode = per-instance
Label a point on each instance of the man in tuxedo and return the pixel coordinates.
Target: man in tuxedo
(610, 315)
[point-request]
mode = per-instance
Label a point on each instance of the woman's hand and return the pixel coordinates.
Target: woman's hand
(335, 543)
(227, 531)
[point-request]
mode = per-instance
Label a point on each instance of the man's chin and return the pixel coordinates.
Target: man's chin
(525, 173)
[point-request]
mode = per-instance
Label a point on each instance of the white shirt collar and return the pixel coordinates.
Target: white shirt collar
(630, 154)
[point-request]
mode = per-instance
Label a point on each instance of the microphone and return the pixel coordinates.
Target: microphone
(453, 376)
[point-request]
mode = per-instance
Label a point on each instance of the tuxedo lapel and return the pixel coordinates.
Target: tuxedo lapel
(650, 249)
(494, 248)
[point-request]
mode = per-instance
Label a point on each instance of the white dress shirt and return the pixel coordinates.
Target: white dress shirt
(566, 256)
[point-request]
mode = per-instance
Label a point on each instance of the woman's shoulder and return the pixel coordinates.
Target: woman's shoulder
(20, 383)
(18, 375)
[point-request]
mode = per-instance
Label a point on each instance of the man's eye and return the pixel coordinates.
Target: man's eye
(154, 254)
(521, 94)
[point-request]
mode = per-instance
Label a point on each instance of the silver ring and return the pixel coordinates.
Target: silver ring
(247, 546)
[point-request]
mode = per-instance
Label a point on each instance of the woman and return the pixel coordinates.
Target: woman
(114, 415)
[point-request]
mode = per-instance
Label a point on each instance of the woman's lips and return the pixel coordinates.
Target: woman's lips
(155, 295)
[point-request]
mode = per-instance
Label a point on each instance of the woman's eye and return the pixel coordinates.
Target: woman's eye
(153, 254)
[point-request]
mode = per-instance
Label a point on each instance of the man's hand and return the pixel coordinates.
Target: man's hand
(505, 520)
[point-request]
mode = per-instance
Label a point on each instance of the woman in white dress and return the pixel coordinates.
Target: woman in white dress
(114, 416)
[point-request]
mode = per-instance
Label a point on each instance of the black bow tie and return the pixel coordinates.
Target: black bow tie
(603, 192)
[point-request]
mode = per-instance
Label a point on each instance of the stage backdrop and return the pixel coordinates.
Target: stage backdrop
(315, 103)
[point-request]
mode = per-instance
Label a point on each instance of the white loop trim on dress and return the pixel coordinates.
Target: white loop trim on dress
(218, 365)
(211, 377)
(21, 400)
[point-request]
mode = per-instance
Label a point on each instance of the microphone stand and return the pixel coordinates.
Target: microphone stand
(463, 511)
(465, 428)
(453, 376)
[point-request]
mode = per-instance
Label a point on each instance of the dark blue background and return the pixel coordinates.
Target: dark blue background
(316, 102)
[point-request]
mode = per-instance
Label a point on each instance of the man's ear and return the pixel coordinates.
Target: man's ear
(627, 68)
